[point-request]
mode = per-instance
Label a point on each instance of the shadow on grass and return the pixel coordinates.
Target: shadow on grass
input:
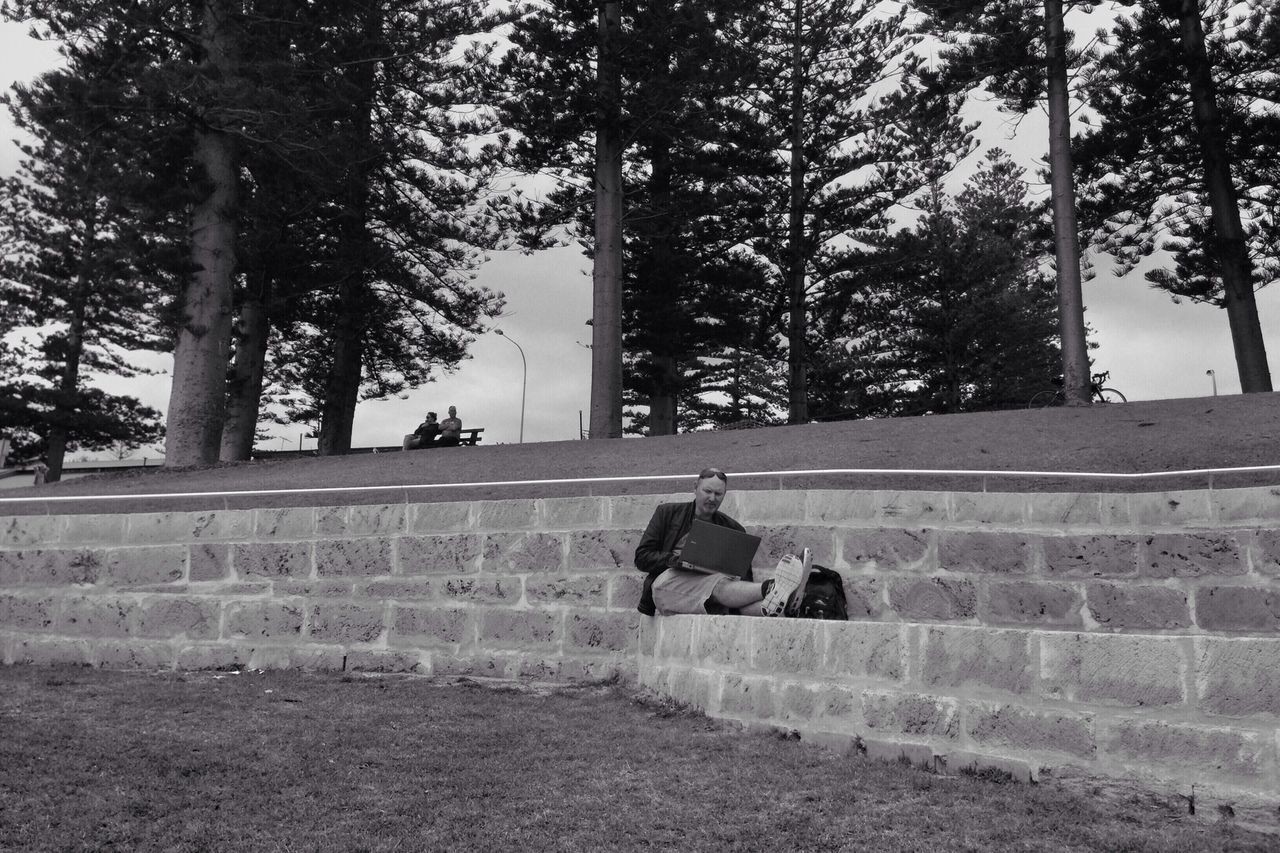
(93, 760)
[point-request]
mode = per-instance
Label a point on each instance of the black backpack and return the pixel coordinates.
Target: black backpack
(823, 596)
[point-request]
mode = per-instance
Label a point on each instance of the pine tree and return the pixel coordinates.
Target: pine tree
(954, 314)
(79, 270)
(1021, 51)
(850, 151)
(1185, 162)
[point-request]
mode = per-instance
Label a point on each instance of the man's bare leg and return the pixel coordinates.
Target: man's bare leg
(737, 594)
(748, 594)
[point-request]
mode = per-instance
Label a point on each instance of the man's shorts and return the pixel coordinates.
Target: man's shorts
(684, 591)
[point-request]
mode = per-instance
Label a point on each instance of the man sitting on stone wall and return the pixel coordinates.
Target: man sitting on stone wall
(669, 589)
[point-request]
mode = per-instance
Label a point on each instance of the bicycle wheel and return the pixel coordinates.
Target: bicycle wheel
(1110, 395)
(1045, 399)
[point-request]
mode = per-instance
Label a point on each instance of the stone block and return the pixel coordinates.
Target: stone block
(1090, 555)
(1238, 608)
(275, 620)
(453, 626)
(335, 622)
(1238, 677)
(42, 567)
(625, 590)
(717, 641)
(634, 511)
(840, 508)
(285, 523)
(93, 530)
(452, 554)
(520, 514)
(307, 658)
(601, 632)
(179, 618)
(777, 542)
(207, 656)
(913, 508)
(1194, 750)
(378, 660)
(1064, 510)
(676, 636)
(1264, 552)
(182, 528)
(331, 521)
(747, 697)
(29, 612)
(1033, 603)
(965, 761)
(885, 549)
(115, 654)
(752, 507)
(358, 557)
(98, 616)
(580, 670)
(50, 651)
(481, 589)
(785, 646)
(571, 513)
(572, 590)
(1002, 508)
(892, 751)
(981, 657)
(933, 598)
(1169, 509)
(1114, 669)
(272, 560)
(523, 552)
(397, 589)
(27, 531)
(478, 664)
(979, 551)
(1234, 506)
(862, 649)
(520, 629)
(131, 566)
(377, 520)
(1134, 607)
(603, 549)
(442, 517)
(208, 562)
(913, 714)
(1015, 726)
(690, 686)
(1192, 555)
(314, 588)
(864, 596)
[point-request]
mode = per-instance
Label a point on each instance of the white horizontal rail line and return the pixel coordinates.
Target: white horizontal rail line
(932, 472)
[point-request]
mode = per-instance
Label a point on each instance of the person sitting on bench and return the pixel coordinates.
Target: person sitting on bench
(424, 435)
(669, 588)
(450, 429)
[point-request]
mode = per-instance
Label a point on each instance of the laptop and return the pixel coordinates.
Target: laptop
(711, 548)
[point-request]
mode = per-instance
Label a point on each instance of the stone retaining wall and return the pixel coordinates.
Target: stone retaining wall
(1130, 634)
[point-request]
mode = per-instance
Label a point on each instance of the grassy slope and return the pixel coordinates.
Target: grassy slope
(94, 760)
(1164, 435)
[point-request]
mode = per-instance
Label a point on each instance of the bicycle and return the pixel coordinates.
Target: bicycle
(1098, 393)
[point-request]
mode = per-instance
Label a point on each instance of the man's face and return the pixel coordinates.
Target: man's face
(452, 411)
(707, 496)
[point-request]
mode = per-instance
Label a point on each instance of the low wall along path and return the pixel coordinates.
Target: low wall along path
(1133, 635)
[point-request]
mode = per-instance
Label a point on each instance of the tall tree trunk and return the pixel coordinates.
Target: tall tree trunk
(197, 399)
(662, 287)
(342, 386)
(606, 274)
(69, 381)
(797, 355)
(1066, 230)
(244, 385)
(1229, 241)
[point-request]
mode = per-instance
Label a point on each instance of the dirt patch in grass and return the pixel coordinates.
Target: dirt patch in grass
(94, 760)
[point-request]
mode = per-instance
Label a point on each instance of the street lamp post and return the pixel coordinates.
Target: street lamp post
(524, 379)
(1213, 377)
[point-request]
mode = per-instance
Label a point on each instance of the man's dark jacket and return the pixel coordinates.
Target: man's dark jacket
(654, 553)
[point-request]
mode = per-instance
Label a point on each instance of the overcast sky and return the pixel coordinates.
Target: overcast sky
(1153, 348)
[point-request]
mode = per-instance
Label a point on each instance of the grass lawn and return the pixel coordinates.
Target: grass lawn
(288, 761)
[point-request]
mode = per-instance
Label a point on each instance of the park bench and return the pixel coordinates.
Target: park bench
(467, 436)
